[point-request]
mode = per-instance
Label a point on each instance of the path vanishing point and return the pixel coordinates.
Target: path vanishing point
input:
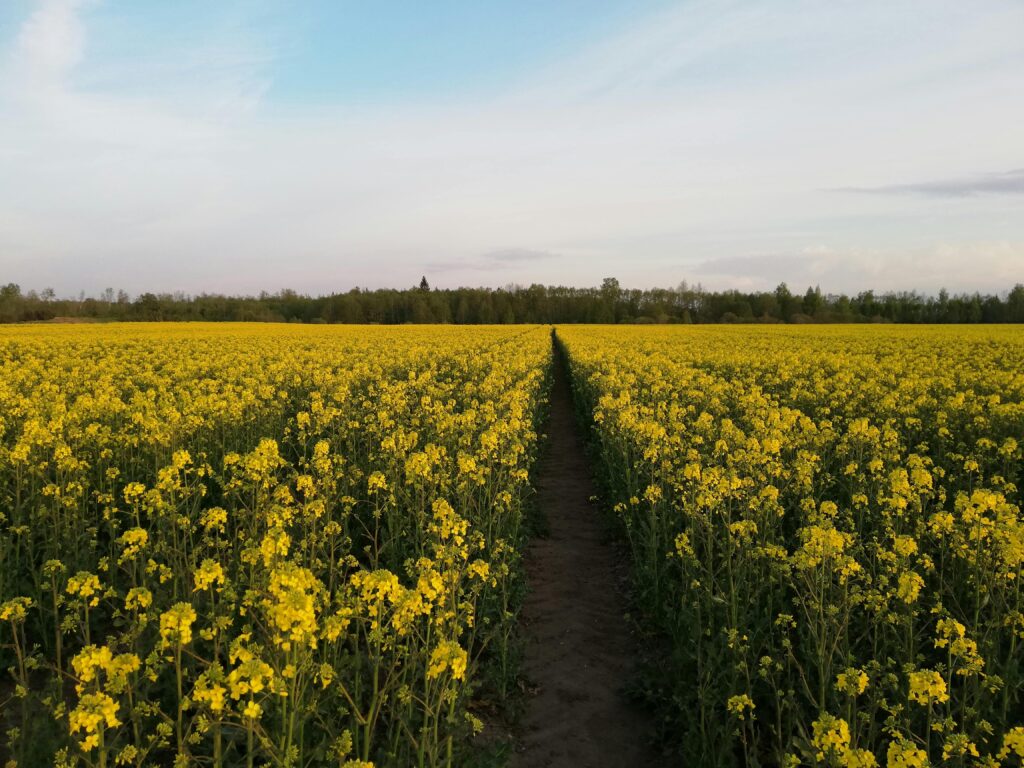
(579, 649)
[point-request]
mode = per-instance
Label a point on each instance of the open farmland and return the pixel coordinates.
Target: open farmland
(258, 545)
(242, 545)
(826, 530)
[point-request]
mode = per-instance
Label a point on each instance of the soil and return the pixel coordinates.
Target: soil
(579, 649)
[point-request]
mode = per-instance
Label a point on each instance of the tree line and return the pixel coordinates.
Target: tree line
(607, 303)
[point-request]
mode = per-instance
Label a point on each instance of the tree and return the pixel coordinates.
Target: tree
(421, 311)
(942, 310)
(148, 306)
(604, 303)
(610, 292)
(974, 309)
(785, 301)
(1015, 304)
(812, 301)
(610, 288)
(463, 314)
(10, 303)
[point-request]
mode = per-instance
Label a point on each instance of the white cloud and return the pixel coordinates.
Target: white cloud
(695, 138)
(49, 44)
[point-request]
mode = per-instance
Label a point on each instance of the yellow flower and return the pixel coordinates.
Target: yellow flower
(958, 745)
(133, 492)
(447, 525)
(740, 705)
(326, 674)
(853, 681)
(744, 530)
(292, 605)
(964, 651)
(1013, 743)
(87, 586)
(905, 546)
(831, 736)
(652, 494)
(376, 482)
(821, 544)
(118, 670)
(133, 541)
(448, 655)
(903, 754)
(480, 569)
(176, 624)
(909, 587)
(275, 546)
(375, 587)
(336, 624)
(214, 519)
(927, 687)
(859, 758)
(210, 693)
(89, 661)
(16, 609)
(138, 599)
(683, 548)
(251, 676)
(209, 574)
(95, 711)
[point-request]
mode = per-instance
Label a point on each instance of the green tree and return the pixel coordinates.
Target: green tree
(610, 292)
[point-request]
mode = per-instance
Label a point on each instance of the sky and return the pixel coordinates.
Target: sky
(321, 145)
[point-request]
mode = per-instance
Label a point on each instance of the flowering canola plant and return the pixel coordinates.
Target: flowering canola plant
(240, 544)
(825, 525)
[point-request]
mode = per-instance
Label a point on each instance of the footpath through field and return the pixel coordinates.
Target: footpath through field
(579, 649)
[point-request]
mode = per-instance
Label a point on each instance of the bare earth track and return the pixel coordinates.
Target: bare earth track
(579, 649)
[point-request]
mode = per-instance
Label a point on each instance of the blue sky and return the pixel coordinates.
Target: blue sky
(239, 146)
(344, 52)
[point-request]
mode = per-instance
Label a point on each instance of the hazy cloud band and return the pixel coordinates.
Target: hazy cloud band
(1008, 183)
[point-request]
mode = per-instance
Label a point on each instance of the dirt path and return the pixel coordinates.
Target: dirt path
(579, 650)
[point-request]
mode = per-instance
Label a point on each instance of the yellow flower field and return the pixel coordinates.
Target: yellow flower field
(258, 545)
(826, 528)
(241, 545)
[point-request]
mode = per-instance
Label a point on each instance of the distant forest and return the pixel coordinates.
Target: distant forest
(609, 303)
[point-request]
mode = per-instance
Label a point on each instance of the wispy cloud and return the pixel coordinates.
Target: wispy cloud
(1008, 183)
(959, 266)
(516, 256)
(494, 261)
(49, 45)
(691, 137)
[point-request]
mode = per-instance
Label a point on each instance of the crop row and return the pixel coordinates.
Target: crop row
(239, 545)
(826, 532)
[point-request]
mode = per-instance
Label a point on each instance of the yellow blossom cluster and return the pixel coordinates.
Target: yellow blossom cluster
(825, 522)
(253, 544)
